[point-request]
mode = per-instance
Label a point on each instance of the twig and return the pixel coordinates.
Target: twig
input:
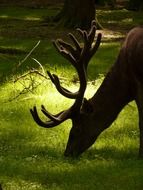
(26, 57)
(34, 71)
(40, 65)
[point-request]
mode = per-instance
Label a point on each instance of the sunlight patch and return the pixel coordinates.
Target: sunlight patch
(4, 16)
(32, 18)
(127, 20)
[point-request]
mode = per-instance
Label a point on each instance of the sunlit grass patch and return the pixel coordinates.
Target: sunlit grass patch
(103, 59)
(121, 18)
(31, 157)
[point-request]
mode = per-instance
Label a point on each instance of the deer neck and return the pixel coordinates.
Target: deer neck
(113, 94)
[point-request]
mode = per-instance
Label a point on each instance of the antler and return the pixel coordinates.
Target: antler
(79, 58)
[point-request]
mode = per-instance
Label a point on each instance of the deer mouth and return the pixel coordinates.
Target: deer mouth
(72, 154)
(73, 151)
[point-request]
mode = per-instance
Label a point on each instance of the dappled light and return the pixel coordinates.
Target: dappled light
(117, 19)
(31, 158)
(34, 153)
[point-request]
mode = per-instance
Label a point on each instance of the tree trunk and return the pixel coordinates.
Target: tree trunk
(135, 5)
(77, 13)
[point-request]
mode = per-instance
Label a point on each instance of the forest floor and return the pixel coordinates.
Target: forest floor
(31, 158)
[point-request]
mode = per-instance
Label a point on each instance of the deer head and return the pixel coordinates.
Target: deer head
(81, 112)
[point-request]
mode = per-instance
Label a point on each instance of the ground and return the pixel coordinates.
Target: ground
(31, 158)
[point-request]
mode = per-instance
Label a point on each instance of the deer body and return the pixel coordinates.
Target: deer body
(114, 93)
(122, 84)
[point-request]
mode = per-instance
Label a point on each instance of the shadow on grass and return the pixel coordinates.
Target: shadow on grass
(51, 60)
(45, 167)
(35, 155)
(120, 20)
(32, 155)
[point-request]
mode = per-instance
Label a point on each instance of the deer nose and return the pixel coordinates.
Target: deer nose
(67, 153)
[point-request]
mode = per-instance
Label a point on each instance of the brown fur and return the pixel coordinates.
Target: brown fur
(122, 84)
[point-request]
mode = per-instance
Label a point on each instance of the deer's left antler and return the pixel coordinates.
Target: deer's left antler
(79, 57)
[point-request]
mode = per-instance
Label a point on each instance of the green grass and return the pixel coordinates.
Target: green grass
(121, 20)
(31, 158)
(25, 13)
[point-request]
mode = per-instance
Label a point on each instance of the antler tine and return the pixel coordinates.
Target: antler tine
(92, 32)
(75, 41)
(84, 35)
(54, 78)
(37, 119)
(64, 52)
(88, 40)
(54, 120)
(49, 115)
(96, 45)
(69, 48)
(88, 50)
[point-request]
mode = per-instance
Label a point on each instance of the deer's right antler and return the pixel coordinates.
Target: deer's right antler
(79, 58)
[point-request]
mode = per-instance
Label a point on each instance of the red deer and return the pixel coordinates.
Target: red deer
(122, 84)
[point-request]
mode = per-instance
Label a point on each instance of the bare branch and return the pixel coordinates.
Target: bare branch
(28, 55)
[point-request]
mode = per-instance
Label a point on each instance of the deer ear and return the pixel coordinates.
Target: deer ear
(86, 107)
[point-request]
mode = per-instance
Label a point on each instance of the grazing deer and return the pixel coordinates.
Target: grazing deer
(122, 84)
